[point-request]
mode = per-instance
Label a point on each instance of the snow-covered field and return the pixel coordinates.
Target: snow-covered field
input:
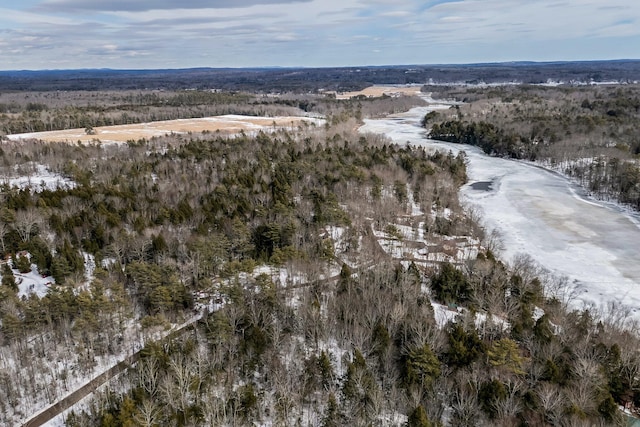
(536, 212)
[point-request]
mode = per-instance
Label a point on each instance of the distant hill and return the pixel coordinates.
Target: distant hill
(312, 79)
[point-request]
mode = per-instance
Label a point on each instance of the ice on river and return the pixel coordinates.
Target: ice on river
(541, 214)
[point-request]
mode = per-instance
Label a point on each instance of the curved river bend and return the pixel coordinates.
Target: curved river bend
(539, 213)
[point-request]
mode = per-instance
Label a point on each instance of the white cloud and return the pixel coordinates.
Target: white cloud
(396, 14)
(539, 19)
(79, 6)
(21, 17)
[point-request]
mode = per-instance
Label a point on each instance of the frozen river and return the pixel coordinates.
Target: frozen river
(541, 214)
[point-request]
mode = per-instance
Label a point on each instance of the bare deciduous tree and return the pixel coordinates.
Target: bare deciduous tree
(27, 222)
(149, 413)
(552, 402)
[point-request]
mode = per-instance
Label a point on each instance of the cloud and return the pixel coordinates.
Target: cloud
(168, 33)
(115, 51)
(396, 14)
(18, 17)
(145, 5)
(540, 20)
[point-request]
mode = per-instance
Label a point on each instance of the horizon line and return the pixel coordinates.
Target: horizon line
(301, 67)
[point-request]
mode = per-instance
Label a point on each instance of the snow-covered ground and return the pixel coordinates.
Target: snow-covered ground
(38, 179)
(135, 340)
(32, 282)
(542, 214)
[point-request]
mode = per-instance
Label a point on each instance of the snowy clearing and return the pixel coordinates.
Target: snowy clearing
(38, 179)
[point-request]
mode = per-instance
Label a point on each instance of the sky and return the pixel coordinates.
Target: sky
(147, 34)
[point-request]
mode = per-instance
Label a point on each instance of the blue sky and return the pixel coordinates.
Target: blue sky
(59, 34)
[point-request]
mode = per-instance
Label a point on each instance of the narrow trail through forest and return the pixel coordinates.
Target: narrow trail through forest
(62, 405)
(83, 391)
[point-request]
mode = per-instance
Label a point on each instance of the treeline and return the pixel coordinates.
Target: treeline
(312, 79)
(493, 140)
(253, 193)
(47, 111)
(608, 178)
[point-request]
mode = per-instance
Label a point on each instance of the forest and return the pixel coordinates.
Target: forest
(311, 80)
(246, 273)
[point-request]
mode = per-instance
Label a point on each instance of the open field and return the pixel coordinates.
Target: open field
(227, 124)
(376, 91)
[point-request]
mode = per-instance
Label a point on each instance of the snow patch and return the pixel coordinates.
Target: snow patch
(32, 282)
(38, 179)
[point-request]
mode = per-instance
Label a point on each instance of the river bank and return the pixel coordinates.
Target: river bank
(592, 247)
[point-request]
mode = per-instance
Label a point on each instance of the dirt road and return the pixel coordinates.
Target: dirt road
(67, 402)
